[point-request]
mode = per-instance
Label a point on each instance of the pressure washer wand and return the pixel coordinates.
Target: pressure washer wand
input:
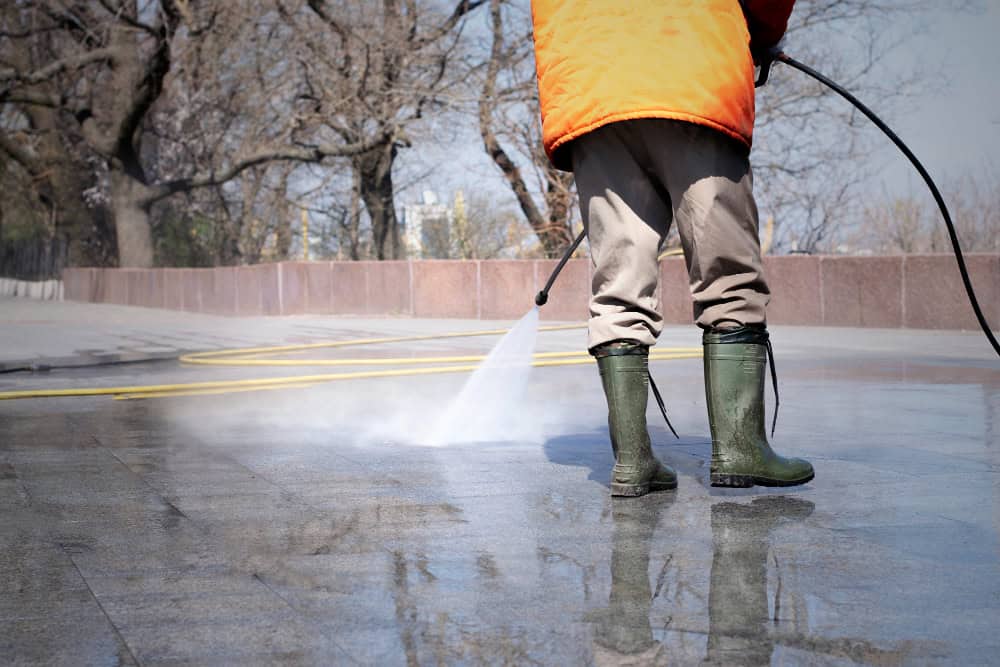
(542, 297)
(788, 60)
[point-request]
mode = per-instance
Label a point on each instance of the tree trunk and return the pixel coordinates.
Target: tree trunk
(559, 201)
(283, 235)
(353, 220)
(552, 229)
(377, 192)
(228, 245)
(132, 224)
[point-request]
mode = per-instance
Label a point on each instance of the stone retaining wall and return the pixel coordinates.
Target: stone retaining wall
(915, 291)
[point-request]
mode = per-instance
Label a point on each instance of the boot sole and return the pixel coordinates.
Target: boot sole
(746, 481)
(636, 490)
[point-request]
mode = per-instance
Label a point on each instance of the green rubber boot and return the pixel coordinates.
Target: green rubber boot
(625, 376)
(734, 388)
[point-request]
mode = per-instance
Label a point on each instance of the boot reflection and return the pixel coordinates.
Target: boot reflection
(623, 635)
(737, 599)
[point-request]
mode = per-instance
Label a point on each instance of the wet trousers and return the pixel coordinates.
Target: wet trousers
(635, 178)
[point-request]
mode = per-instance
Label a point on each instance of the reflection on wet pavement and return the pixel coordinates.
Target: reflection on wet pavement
(738, 612)
(159, 532)
(622, 631)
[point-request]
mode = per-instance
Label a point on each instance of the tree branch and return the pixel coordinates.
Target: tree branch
(120, 15)
(147, 89)
(20, 154)
(492, 145)
(320, 9)
(461, 9)
(52, 101)
(50, 70)
(261, 156)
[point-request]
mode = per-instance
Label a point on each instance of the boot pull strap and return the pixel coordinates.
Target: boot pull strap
(774, 383)
(659, 402)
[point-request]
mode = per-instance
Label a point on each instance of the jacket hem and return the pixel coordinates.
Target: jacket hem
(564, 162)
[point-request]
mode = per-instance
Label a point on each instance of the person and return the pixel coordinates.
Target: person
(651, 106)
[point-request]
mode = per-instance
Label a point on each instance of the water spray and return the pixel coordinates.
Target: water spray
(776, 55)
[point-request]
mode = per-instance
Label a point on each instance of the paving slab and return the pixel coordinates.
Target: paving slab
(315, 525)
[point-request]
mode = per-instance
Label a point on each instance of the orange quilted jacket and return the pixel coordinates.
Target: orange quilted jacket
(601, 61)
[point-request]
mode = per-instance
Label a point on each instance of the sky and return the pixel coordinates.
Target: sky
(954, 128)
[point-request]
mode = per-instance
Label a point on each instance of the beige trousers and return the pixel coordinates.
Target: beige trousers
(636, 177)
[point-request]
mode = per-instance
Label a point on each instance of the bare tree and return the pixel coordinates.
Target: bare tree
(913, 224)
(370, 72)
(812, 150)
(108, 68)
(975, 204)
(46, 187)
(244, 221)
(515, 109)
(895, 226)
(47, 162)
(352, 241)
(488, 230)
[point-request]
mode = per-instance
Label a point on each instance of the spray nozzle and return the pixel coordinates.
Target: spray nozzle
(541, 298)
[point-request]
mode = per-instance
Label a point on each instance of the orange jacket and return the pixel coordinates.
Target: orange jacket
(601, 61)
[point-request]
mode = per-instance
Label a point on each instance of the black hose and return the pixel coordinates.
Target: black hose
(923, 173)
(542, 297)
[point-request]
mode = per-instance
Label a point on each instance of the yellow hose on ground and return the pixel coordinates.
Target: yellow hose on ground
(251, 357)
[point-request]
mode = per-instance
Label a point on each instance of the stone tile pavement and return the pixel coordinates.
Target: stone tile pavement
(311, 527)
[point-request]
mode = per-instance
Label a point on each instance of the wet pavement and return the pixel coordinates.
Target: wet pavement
(304, 526)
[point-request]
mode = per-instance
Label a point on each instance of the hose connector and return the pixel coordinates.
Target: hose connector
(542, 297)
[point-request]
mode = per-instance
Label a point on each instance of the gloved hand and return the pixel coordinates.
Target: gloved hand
(763, 59)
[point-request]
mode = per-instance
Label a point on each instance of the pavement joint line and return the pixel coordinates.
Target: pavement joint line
(100, 606)
(309, 619)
